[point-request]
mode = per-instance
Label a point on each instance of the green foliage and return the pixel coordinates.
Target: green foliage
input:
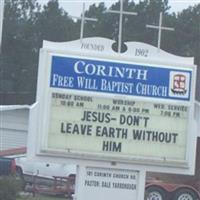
(18, 57)
(9, 187)
(54, 24)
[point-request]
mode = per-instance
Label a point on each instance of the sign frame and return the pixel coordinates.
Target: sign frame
(43, 98)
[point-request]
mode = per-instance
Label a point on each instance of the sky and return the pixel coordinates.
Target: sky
(74, 7)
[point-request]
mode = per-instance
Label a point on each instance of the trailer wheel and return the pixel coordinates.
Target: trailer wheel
(185, 194)
(155, 193)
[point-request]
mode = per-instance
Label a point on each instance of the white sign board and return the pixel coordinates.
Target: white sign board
(117, 127)
(135, 107)
(108, 183)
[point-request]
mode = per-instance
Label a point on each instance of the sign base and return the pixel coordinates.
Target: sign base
(94, 182)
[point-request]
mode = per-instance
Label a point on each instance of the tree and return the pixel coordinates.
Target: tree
(99, 28)
(25, 27)
(188, 27)
(54, 24)
(188, 37)
(18, 56)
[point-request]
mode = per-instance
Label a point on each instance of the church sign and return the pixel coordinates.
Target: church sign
(114, 114)
(97, 107)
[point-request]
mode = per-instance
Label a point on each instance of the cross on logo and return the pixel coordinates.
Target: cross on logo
(179, 84)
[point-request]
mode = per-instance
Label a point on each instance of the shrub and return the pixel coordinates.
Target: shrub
(9, 187)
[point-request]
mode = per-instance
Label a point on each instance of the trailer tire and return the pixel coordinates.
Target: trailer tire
(155, 193)
(185, 194)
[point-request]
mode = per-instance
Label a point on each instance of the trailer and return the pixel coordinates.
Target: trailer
(174, 187)
(59, 186)
(158, 190)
